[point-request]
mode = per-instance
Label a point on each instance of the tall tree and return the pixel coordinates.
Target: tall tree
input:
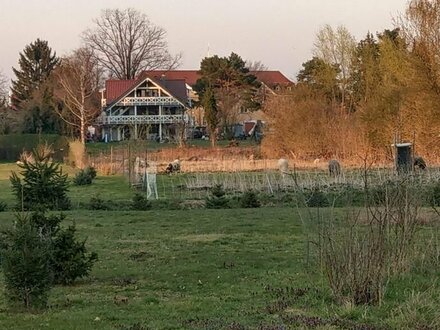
(209, 103)
(126, 43)
(421, 28)
(38, 115)
(36, 62)
(336, 47)
(365, 75)
(77, 82)
(233, 86)
(321, 76)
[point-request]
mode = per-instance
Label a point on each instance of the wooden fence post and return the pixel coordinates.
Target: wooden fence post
(111, 160)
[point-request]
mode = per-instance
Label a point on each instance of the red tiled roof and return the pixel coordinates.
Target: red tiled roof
(116, 88)
(271, 78)
(190, 76)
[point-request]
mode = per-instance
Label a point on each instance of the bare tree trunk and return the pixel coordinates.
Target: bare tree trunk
(83, 131)
(213, 138)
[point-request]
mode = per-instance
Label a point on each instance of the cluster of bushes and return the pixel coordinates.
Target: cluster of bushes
(37, 252)
(13, 145)
(219, 200)
(138, 203)
(85, 176)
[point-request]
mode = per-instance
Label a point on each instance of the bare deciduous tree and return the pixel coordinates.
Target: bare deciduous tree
(77, 82)
(3, 89)
(337, 47)
(256, 66)
(126, 43)
(4, 124)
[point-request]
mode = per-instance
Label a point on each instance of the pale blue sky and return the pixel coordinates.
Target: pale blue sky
(280, 33)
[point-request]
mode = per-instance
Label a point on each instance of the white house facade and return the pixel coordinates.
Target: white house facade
(143, 108)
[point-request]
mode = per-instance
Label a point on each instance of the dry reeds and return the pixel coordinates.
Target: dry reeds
(77, 154)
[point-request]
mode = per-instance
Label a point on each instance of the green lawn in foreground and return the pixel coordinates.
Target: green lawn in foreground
(204, 269)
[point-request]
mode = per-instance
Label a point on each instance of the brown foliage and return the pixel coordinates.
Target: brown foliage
(305, 126)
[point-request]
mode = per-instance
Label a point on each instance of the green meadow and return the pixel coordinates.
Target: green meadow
(209, 269)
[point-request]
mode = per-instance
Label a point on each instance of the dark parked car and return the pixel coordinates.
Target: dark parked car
(197, 134)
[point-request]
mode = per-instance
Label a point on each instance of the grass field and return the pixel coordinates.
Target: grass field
(208, 269)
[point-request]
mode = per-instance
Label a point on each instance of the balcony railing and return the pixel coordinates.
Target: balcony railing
(143, 119)
(157, 100)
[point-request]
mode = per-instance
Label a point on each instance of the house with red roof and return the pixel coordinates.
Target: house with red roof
(159, 104)
(148, 107)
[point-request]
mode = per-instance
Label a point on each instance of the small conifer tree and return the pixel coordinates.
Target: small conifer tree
(42, 185)
(69, 257)
(25, 256)
(249, 199)
(218, 199)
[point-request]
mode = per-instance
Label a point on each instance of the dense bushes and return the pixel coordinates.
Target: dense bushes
(249, 199)
(140, 203)
(85, 176)
(3, 206)
(97, 203)
(11, 146)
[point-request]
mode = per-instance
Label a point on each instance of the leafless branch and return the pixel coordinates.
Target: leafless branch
(126, 43)
(77, 82)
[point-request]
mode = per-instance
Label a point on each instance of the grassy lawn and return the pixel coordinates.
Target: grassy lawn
(204, 269)
(207, 269)
(174, 267)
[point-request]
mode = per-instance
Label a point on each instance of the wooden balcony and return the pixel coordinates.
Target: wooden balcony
(158, 100)
(144, 119)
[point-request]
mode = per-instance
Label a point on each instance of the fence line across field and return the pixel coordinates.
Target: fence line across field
(235, 175)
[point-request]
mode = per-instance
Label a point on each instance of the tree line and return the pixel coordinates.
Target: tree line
(52, 94)
(357, 98)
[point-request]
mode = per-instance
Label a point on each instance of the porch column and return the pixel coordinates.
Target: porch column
(135, 124)
(160, 122)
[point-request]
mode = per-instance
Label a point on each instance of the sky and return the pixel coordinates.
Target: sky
(279, 33)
